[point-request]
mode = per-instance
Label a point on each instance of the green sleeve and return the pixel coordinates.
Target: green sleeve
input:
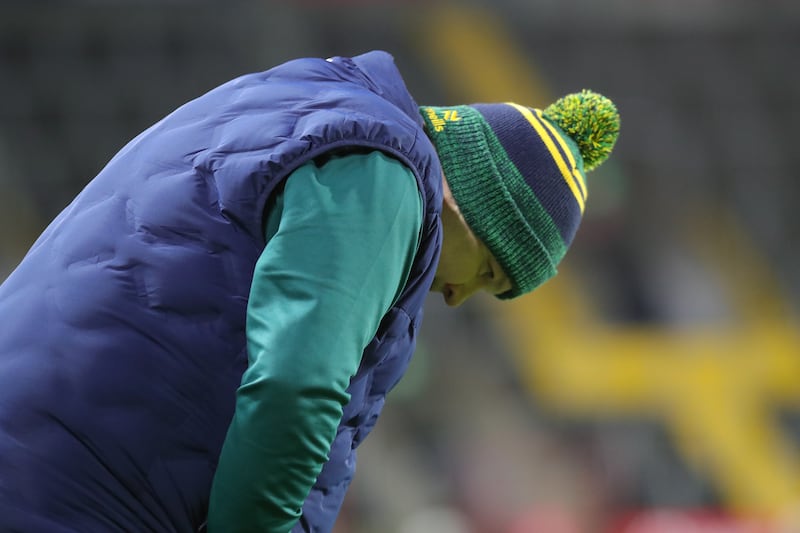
(341, 240)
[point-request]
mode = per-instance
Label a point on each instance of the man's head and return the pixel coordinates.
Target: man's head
(515, 188)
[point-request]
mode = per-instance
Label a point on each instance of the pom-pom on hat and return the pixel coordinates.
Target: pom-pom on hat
(518, 175)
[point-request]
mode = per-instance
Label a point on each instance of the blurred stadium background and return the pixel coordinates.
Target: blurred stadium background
(654, 386)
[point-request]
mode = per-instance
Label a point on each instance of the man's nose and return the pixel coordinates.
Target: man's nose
(455, 295)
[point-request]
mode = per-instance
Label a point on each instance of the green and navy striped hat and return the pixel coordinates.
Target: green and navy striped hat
(519, 175)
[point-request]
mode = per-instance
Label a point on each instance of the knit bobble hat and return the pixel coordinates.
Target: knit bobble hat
(518, 175)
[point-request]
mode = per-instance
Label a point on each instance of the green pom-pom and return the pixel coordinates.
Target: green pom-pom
(592, 120)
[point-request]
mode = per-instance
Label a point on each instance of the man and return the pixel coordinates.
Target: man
(206, 333)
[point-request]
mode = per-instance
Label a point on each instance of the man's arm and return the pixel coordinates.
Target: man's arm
(344, 238)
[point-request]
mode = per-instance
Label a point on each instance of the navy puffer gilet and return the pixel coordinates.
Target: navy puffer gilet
(122, 333)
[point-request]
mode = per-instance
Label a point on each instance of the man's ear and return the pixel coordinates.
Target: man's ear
(448, 200)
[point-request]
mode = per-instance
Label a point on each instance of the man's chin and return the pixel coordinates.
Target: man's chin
(436, 286)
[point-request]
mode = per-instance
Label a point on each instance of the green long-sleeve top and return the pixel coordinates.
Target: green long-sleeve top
(341, 238)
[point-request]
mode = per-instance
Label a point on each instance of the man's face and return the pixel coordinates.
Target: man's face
(466, 265)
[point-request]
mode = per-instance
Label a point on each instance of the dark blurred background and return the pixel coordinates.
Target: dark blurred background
(654, 385)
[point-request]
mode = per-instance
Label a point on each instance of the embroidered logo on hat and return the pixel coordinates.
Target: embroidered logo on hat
(449, 115)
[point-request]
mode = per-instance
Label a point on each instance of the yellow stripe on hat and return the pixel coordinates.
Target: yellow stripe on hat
(559, 138)
(554, 153)
(575, 172)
